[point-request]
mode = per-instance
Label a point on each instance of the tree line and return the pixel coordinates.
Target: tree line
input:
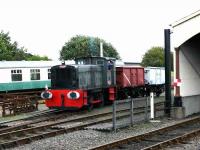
(89, 46)
(78, 46)
(10, 51)
(155, 57)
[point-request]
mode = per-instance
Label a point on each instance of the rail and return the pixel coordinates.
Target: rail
(189, 128)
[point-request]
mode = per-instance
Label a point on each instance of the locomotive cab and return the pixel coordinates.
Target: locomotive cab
(64, 77)
(107, 64)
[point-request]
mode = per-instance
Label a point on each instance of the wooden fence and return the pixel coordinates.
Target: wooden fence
(13, 104)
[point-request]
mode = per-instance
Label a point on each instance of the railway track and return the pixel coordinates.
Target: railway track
(157, 139)
(32, 116)
(15, 136)
(15, 124)
(49, 115)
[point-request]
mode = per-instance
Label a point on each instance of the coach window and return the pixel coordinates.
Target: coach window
(35, 74)
(49, 73)
(16, 75)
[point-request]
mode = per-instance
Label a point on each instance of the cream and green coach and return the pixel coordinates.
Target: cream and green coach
(25, 75)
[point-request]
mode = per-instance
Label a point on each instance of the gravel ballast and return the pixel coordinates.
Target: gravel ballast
(85, 139)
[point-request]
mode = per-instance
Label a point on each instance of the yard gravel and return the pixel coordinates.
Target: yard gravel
(85, 139)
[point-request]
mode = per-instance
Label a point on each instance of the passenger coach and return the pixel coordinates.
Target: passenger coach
(25, 75)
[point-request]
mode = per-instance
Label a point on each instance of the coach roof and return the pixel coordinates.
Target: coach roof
(30, 64)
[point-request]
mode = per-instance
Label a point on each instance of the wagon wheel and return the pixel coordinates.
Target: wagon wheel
(141, 93)
(158, 93)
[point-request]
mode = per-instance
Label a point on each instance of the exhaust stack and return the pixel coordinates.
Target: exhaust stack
(101, 49)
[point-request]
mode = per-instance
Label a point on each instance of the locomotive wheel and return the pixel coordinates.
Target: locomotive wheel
(90, 104)
(90, 107)
(50, 108)
(158, 94)
(103, 102)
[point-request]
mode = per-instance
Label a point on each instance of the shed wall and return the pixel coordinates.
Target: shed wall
(186, 41)
(189, 67)
(185, 31)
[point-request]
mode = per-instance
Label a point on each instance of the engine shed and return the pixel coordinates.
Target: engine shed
(186, 44)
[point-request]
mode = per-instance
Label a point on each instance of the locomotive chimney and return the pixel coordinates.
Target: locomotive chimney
(101, 49)
(63, 62)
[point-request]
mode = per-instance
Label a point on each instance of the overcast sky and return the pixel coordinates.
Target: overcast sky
(131, 26)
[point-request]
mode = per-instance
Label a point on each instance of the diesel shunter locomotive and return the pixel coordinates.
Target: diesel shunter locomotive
(96, 81)
(90, 81)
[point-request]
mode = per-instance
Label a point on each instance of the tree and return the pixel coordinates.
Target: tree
(36, 57)
(154, 57)
(80, 46)
(10, 51)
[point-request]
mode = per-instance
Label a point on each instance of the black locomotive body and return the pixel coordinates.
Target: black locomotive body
(90, 81)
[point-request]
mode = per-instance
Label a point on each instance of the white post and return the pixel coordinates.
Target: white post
(152, 105)
(101, 49)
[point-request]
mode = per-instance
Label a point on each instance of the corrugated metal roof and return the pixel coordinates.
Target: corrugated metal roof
(30, 64)
(185, 19)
